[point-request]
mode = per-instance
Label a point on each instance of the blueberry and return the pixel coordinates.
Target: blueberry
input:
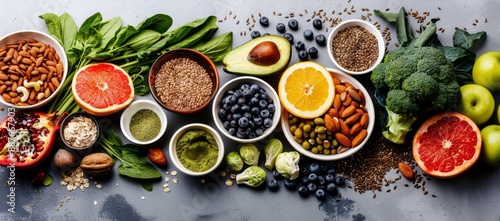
(264, 21)
(303, 55)
(312, 187)
(314, 168)
(290, 184)
(264, 113)
(304, 181)
(240, 135)
(254, 102)
(303, 192)
(237, 94)
(331, 170)
(273, 185)
(243, 122)
(245, 108)
(252, 135)
(241, 101)
(248, 115)
(227, 125)
(221, 113)
(293, 24)
(254, 88)
(257, 119)
(248, 131)
(232, 99)
(245, 86)
(321, 180)
(303, 171)
(280, 27)
(232, 131)
(308, 34)
(321, 40)
(271, 108)
(323, 168)
(247, 93)
(299, 45)
(236, 116)
(320, 194)
(268, 122)
(288, 37)
(331, 188)
(313, 178)
(313, 52)
(258, 131)
(233, 123)
(330, 178)
(255, 110)
(264, 96)
(262, 104)
(255, 34)
(277, 175)
(317, 23)
(339, 181)
(235, 108)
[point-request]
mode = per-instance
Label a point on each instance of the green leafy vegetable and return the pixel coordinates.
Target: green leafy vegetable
(465, 40)
(250, 154)
(253, 176)
(272, 149)
(234, 161)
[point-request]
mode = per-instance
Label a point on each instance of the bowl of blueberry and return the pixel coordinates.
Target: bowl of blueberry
(246, 109)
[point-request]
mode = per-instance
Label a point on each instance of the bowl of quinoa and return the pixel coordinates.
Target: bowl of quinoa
(183, 81)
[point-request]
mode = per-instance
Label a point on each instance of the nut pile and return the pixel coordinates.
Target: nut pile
(30, 71)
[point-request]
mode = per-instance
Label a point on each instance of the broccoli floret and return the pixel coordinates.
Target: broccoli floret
(417, 80)
(420, 86)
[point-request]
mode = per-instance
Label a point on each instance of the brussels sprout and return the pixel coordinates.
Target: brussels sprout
(234, 161)
(250, 154)
(253, 176)
(287, 164)
(272, 149)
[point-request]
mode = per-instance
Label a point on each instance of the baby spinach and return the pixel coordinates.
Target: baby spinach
(186, 30)
(216, 47)
(206, 31)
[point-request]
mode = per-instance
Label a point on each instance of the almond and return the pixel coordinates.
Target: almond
(333, 112)
(337, 102)
(354, 94)
(339, 89)
(344, 129)
(363, 121)
(343, 139)
(362, 97)
(359, 138)
(352, 119)
(348, 111)
(347, 100)
(329, 124)
(355, 129)
(347, 84)
(406, 170)
(336, 81)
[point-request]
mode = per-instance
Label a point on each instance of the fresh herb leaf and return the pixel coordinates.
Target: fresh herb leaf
(388, 16)
(403, 28)
(209, 27)
(108, 30)
(143, 40)
(123, 35)
(159, 23)
(148, 186)
(216, 45)
(427, 35)
(186, 30)
(463, 39)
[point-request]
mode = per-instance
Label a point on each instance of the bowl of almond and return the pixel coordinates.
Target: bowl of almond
(340, 132)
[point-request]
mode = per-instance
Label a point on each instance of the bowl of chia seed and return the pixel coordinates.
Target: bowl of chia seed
(183, 81)
(143, 122)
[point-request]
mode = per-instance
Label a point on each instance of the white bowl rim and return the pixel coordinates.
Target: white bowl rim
(62, 55)
(368, 26)
(173, 151)
(338, 156)
(269, 90)
(132, 109)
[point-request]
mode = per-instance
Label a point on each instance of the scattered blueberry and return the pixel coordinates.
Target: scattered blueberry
(264, 21)
(255, 34)
(277, 175)
(280, 27)
(312, 187)
(303, 192)
(331, 170)
(293, 24)
(313, 178)
(320, 194)
(313, 52)
(290, 184)
(332, 189)
(339, 181)
(308, 34)
(304, 181)
(330, 178)
(314, 168)
(303, 55)
(300, 45)
(273, 185)
(317, 23)
(288, 37)
(321, 40)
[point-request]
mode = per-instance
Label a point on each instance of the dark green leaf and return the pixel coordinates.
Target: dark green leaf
(143, 40)
(147, 185)
(141, 90)
(388, 16)
(186, 30)
(404, 30)
(123, 35)
(465, 40)
(69, 31)
(159, 23)
(87, 29)
(205, 32)
(427, 35)
(108, 30)
(216, 45)
(53, 24)
(101, 56)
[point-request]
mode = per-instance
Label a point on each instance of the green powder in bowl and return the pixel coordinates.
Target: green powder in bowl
(145, 125)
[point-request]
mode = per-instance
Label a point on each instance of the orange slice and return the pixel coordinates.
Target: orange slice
(102, 89)
(306, 89)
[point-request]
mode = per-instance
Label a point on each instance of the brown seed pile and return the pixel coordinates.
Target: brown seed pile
(355, 48)
(183, 84)
(30, 71)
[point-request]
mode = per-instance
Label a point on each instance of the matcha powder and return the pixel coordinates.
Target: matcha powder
(145, 125)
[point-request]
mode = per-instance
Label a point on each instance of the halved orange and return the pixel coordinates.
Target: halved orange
(447, 144)
(306, 89)
(103, 88)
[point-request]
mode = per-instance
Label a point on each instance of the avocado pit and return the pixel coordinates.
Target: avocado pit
(265, 53)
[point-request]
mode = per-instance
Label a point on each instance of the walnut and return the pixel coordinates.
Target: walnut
(97, 164)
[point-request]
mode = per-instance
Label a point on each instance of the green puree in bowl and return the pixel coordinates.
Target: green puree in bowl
(145, 125)
(197, 150)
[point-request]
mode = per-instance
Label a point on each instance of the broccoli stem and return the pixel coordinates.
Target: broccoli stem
(398, 125)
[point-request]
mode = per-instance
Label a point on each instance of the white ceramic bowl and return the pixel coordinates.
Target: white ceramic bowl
(371, 122)
(364, 24)
(132, 109)
(234, 84)
(48, 40)
(172, 148)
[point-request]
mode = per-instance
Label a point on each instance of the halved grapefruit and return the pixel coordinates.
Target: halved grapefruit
(102, 89)
(447, 144)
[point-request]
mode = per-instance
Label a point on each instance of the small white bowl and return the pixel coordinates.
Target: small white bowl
(364, 24)
(172, 148)
(132, 109)
(48, 40)
(371, 123)
(234, 84)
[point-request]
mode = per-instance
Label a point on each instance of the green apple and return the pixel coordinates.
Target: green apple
(486, 70)
(477, 103)
(490, 149)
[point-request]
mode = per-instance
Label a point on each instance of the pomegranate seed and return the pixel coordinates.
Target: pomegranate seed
(34, 156)
(35, 139)
(39, 149)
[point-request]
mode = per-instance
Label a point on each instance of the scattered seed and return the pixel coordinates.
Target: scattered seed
(174, 173)
(167, 179)
(175, 180)
(434, 196)
(229, 183)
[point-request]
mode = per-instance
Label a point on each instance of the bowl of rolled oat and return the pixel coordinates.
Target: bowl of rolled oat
(80, 131)
(183, 81)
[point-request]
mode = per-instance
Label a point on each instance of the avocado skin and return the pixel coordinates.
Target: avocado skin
(236, 62)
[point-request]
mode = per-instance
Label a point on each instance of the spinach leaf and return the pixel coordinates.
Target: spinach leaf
(147, 185)
(143, 40)
(53, 24)
(159, 23)
(69, 31)
(205, 32)
(109, 29)
(181, 32)
(463, 39)
(87, 30)
(215, 45)
(123, 35)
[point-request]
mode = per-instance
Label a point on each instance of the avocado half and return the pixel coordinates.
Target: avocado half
(260, 57)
